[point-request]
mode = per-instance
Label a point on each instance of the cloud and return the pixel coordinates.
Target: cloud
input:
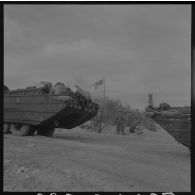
(89, 57)
(137, 48)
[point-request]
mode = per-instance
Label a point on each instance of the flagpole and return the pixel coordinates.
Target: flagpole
(104, 92)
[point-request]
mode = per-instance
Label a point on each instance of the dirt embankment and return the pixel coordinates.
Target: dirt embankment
(77, 160)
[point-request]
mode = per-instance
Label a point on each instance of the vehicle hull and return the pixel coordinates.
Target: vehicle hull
(37, 109)
(180, 129)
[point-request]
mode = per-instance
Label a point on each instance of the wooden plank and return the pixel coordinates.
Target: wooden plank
(26, 99)
(34, 107)
(27, 116)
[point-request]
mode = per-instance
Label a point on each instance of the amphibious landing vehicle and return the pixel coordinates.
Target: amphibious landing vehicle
(33, 109)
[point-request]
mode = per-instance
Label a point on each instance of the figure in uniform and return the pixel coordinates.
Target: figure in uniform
(97, 122)
(131, 122)
(44, 86)
(120, 122)
(138, 121)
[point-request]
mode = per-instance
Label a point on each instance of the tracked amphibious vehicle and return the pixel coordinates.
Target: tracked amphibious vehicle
(32, 109)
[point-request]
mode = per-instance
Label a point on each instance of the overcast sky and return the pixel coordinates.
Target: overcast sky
(137, 48)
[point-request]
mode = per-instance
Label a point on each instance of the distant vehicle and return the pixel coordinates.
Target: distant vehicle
(36, 109)
(176, 121)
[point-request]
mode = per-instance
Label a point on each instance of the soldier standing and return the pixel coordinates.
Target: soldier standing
(99, 121)
(131, 122)
(138, 121)
(120, 121)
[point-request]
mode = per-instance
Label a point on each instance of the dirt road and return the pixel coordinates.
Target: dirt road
(77, 160)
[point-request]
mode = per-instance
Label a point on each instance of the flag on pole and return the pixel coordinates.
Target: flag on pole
(98, 83)
(95, 93)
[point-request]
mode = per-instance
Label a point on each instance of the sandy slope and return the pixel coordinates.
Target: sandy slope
(77, 160)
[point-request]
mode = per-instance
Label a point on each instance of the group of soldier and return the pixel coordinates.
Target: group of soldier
(131, 120)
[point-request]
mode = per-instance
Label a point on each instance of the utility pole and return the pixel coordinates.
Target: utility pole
(104, 91)
(150, 100)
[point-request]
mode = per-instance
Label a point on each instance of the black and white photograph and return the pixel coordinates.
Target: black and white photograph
(97, 97)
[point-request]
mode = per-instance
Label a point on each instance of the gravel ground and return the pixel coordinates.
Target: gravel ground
(79, 160)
